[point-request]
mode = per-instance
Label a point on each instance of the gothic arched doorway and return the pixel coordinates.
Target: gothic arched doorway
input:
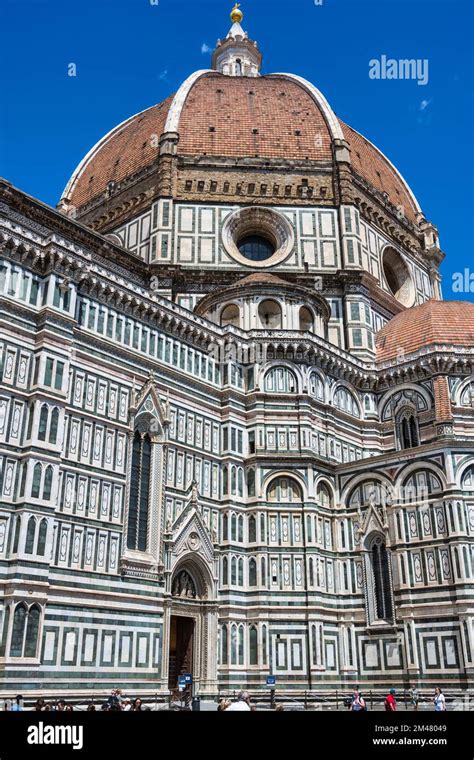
(191, 618)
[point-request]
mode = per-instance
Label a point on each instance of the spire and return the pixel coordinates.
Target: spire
(237, 55)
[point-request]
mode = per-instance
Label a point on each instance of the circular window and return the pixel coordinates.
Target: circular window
(256, 248)
(397, 277)
(258, 237)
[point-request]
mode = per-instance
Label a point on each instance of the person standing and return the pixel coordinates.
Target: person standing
(390, 701)
(242, 704)
(414, 698)
(358, 702)
(439, 700)
(17, 705)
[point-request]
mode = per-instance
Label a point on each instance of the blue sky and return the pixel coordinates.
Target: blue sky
(131, 54)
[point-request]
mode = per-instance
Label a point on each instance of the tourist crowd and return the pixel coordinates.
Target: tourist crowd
(116, 702)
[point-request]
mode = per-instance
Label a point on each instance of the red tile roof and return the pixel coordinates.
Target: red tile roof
(129, 148)
(269, 117)
(367, 161)
(434, 322)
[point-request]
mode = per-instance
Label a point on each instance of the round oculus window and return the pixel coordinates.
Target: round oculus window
(258, 237)
(256, 248)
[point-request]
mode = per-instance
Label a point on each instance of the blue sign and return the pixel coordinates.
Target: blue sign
(271, 680)
(188, 678)
(181, 681)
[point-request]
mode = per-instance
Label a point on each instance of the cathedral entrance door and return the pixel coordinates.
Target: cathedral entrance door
(181, 648)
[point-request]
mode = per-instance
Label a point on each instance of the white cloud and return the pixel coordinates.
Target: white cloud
(205, 48)
(424, 105)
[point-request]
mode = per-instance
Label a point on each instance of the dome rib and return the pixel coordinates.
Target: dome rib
(361, 146)
(121, 144)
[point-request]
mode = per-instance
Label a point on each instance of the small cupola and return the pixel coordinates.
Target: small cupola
(237, 56)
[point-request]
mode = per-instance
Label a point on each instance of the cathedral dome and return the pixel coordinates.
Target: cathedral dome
(239, 116)
(446, 323)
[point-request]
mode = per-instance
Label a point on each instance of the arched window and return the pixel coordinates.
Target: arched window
(264, 644)
(241, 528)
(6, 621)
(230, 315)
(240, 481)
(238, 68)
(284, 490)
(468, 479)
(137, 529)
(43, 530)
(280, 380)
(252, 529)
(306, 319)
(467, 396)
(48, 482)
(253, 646)
(233, 571)
(252, 573)
(233, 645)
(18, 631)
(316, 386)
(381, 585)
(407, 430)
(16, 538)
(32, 630)
(53, 429)
(421, 486)
(270, 315)
(225, 528)
(225, 571)
(241, 572)
(346, 402)
(251, 482)
(233, 487)
(458, 566)
(225, 645)
(370, 493)
(346, 579)
(241, 645)
(43, 423)
(36, 485)
(30, 535)
(323, 495)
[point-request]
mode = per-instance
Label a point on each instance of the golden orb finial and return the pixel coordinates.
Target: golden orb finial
(236, 14)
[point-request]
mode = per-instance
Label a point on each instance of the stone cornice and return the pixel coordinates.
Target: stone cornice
(51, 222)
(98, 269)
